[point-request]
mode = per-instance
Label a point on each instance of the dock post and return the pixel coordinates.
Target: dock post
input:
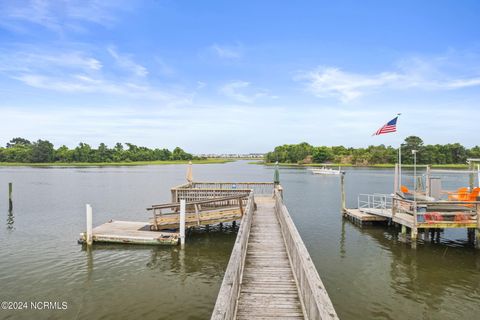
(10, 202)
(427, 181)
(477, 232)
(471, 168)
(413, 236)
(89, 236)
(342, 184)
(182, 222)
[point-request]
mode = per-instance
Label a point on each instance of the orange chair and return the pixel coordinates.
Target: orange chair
(474, 194)
(461, 195)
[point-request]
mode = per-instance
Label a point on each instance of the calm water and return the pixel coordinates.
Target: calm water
(369, 274)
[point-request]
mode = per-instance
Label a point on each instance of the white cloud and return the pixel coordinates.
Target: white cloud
(58, 16)
(30, 58)
(410, 74)
(242, 91)
(75, 71)
(126, 62)
(228, 51)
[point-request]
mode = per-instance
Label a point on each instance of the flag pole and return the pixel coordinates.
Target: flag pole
(399, 162)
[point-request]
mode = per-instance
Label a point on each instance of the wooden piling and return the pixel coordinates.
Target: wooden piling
(10, 202)
(89, 236)
(182, 222)
(342, 186)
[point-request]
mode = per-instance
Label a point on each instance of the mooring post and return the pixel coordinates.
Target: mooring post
(89, 236)
(342, 185)
(182, 222)
(477, 236)
(10, 202)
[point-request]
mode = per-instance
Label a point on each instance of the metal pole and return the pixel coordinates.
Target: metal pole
(182, 222)
(395, 180)
(414, 175)
(89, 236)
(400, 166)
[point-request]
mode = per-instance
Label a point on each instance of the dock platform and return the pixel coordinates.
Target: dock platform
(131, 232)
(361, 217)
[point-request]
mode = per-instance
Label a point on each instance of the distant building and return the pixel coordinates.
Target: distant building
(232, 155)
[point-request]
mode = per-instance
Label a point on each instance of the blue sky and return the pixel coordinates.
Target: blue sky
(239, 76)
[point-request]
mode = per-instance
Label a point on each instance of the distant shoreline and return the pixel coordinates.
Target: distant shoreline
(111, 164)
(345, 165)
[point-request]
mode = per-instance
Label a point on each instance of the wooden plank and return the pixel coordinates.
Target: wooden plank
(363, 216)
(268, 285)
(131, 232)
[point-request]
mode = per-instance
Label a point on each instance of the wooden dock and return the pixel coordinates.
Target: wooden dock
(268, 284)
(418, 215)
(270, 273)
(131, 232)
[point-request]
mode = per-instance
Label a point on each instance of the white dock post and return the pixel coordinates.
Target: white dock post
(182, 222)
(89, 236)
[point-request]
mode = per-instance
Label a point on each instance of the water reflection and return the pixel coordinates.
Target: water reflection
(427, 275)
(10, 220)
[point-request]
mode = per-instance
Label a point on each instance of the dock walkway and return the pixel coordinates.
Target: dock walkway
(270, 274)
(268, 285)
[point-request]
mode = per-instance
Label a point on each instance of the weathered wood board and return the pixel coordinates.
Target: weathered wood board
(171, 221)
(131, 232)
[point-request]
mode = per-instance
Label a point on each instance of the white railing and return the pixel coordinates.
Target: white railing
(377, 201)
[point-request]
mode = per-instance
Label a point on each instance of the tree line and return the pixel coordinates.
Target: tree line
(304, 153)
(43, 151)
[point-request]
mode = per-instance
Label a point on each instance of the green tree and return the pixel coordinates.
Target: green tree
(82, 153)
(42, 151)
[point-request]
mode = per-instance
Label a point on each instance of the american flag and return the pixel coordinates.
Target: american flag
(391, 126)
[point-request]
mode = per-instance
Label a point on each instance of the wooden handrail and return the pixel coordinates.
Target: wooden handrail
(177, 204)
(314, 296)
(225, 306)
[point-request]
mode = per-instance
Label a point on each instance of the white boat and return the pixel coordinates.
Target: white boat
(326, 171)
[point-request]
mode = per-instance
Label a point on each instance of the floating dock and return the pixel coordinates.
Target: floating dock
(131, 232)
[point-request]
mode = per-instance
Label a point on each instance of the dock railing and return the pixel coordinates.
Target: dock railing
(226, 304)
(378, 201)
(314, 296)
(438, 213)
(201, 190)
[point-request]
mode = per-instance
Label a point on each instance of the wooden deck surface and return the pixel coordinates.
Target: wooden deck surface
(361, 216)
(131, 232)
(268, 288)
